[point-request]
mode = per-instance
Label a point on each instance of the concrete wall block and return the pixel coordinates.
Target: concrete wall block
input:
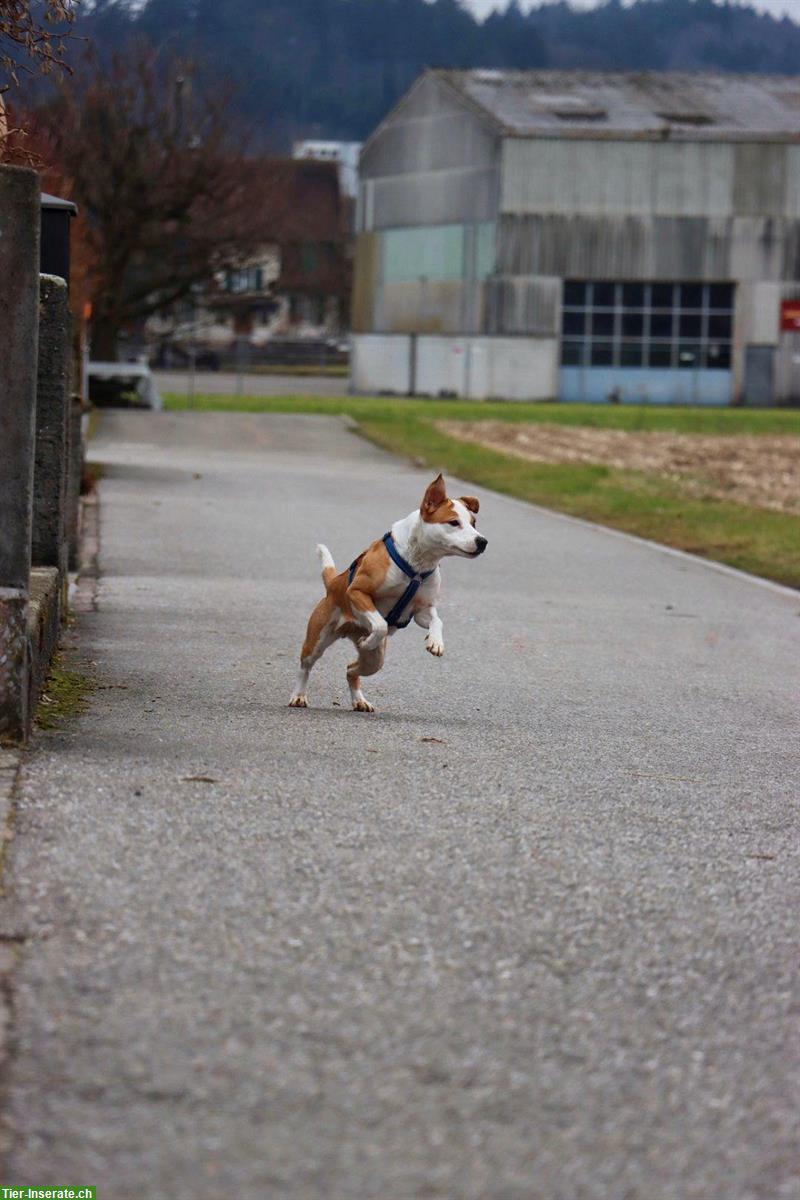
(443, 365)
(14, 664)
(476, 368)
(380, 363)
(516, 368)
(74, 475)
(43, 624)
(19, 273)
(48, 544)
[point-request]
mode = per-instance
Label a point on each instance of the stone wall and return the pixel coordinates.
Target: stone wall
(41, 459)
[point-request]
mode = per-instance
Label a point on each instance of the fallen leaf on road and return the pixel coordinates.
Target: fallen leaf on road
(199, 779)
(441, 741)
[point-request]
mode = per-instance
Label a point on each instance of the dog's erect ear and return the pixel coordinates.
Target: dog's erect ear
(470, 502)
(434, 496)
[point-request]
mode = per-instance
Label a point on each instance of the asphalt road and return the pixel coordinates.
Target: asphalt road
(225, 383)
(528, 933)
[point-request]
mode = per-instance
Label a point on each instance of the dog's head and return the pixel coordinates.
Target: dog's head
(448, 526)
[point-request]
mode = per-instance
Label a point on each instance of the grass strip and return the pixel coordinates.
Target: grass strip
(613, 416)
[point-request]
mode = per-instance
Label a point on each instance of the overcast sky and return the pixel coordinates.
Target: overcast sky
(778, 8)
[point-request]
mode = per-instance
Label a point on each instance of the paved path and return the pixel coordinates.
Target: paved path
(218, 383)
(549, 955)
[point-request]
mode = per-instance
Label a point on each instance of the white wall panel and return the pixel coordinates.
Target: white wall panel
(477, 368)
(380, 363)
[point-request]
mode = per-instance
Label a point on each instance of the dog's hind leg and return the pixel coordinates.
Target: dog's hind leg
(321, 634)
(369, 662)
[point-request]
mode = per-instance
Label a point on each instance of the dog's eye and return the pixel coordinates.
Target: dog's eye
(453, 522)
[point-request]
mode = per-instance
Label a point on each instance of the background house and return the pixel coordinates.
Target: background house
(583, 236)
(344, 154)
(296, 288)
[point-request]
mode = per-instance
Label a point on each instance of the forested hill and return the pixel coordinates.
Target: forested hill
(333, 68)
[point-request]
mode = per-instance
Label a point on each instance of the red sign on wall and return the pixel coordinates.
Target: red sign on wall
(790, 315)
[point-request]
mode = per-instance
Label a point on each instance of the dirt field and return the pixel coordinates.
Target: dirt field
(759, 471)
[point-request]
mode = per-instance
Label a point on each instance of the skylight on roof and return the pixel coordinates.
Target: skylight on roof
(579, 114)
(686, 118)
(568, 107)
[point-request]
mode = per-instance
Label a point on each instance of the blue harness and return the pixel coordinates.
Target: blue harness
(416, 577)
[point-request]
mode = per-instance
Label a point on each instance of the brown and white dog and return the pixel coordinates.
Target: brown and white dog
(395, 579)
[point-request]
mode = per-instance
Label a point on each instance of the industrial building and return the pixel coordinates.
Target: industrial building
(598, 237)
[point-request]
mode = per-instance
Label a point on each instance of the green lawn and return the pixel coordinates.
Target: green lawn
(756, 540)
(602, 416)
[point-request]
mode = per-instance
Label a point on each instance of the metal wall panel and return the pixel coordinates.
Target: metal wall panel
(434, 198)
(485, 249)
(616, 178)
(365, 281)
(427, 279)
(423, 306)
(434, 161)
(644, 385)
(792, 161)
(433, 252)
(650, 178)
(759, 182)
(431, 143)
(582, 247)
(431, 128)
(523, 304)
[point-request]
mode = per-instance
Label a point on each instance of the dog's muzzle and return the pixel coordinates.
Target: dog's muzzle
(480, 545)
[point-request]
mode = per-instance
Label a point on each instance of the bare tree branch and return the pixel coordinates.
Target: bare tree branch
(161, 179)
(33, 37)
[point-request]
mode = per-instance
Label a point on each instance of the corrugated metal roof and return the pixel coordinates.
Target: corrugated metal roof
(582, 104)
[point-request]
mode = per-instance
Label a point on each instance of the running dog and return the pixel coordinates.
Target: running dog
(394, 580)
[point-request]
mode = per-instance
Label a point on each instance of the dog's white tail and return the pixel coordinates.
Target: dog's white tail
(328, 565)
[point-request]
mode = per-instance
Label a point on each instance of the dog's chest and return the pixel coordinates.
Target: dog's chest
(397, 584)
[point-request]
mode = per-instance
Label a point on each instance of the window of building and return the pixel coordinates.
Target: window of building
(246, 279)
(686, 326)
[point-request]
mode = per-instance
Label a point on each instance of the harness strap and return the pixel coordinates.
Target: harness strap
(417, 578)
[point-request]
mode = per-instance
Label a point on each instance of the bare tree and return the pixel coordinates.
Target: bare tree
(33, 37)
(159, 174)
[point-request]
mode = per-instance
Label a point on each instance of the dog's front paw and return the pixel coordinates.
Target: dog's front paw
(363, 705)
(298, 700)
(433, 647)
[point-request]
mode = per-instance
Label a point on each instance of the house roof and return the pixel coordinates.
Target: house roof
(298, 198)
(637, 105)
